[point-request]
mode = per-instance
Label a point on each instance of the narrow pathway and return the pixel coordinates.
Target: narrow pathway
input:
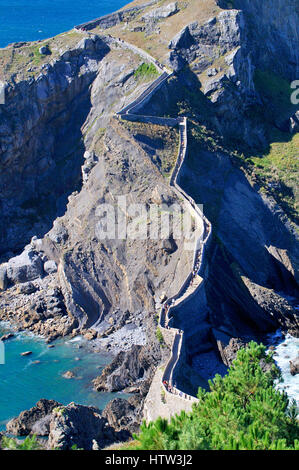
(174, 399)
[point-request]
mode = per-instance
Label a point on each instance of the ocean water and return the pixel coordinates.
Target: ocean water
(30, 20)
(23, 382)
(286, 349)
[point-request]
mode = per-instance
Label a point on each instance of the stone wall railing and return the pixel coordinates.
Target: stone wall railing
(200, 244)
(198, 268)
(111, 41)
(133, 107)
(160, 121)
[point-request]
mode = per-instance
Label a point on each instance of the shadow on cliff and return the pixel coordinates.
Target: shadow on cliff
(50, 164)
(247, 224)
(49, 197)
(250, 239)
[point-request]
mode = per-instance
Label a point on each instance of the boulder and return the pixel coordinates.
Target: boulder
(294, 366)
(3, 278)
(87, 44)
(44, 50)
(7, 336)
(35, 421)
(212, 72)
(76, 425)
(162, 12)
(182, 40)
(25, 267)
(69, 375)
(50, 267)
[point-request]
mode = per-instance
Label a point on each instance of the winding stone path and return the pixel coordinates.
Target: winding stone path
(164, 399)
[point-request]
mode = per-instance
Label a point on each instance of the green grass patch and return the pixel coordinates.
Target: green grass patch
(275, 92)
(38, 57)
(30, 443)
(278, 172)
(146, 72)
(159, 336)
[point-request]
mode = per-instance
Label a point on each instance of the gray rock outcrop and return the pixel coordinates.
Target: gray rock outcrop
(50, 267)
(3, 278)
(183, 39)
(80, 426)
(127, 368)
(36, 420)
(163, 12)
(69, 426)
(294, 366)
(25, 267)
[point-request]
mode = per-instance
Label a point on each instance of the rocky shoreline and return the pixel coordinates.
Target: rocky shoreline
(131, 371)
(67, 426)
(64, 154)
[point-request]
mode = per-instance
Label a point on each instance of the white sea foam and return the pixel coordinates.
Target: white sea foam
(286, 350)
(76, 339)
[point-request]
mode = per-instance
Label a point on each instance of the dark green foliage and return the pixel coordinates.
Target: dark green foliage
(242, 411)
(146, 71)
(30, 443)
(159, 336)
(276, 92)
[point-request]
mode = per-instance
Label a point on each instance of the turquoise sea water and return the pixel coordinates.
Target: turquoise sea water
(29, 20)
(23, 383)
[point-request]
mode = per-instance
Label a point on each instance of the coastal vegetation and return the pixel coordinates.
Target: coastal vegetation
(30, 443)
(159, 336)
(61, 112)
(242, 411)
(146, 72)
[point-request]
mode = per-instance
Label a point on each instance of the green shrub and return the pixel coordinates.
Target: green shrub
(242, 410)
(30, 443)
(159, 336)
(146, 71)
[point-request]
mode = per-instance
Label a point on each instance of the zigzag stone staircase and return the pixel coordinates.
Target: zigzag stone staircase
(164, 398)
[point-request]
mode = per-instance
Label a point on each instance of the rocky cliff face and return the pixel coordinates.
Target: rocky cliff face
(273, 26)
(95, 283)
(41, 150)
(225, 52)
(253, 260)
(63, 154)
(66, 427)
